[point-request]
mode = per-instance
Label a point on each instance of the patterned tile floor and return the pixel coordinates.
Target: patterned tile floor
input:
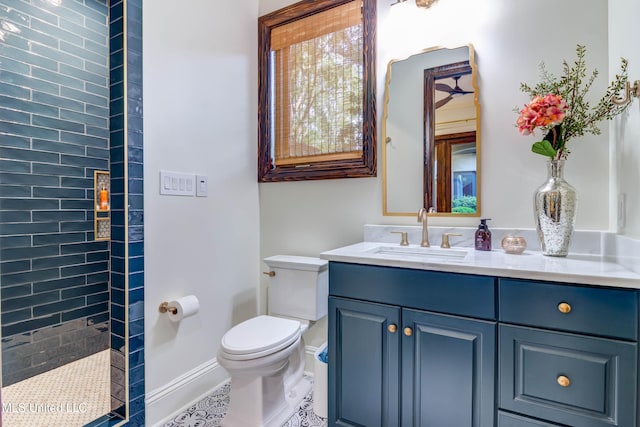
(209, 412)
(69, 396)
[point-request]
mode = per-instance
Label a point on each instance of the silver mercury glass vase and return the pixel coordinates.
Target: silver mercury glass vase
(555, 204)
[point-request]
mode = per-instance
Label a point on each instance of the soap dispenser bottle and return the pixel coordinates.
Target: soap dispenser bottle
(483, 236)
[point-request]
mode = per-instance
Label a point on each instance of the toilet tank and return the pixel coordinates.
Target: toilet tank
(299, 288)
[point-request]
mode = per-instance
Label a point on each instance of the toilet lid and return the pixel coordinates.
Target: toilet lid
(260, 336)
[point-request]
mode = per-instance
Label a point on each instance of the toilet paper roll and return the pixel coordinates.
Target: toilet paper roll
(185, 306)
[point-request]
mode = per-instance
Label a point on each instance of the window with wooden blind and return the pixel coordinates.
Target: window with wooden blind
(317, 91)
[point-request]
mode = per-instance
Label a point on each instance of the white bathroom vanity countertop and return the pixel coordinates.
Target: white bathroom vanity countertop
(584, 269)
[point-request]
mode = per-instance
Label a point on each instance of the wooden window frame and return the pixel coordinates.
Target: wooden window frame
(365, 165)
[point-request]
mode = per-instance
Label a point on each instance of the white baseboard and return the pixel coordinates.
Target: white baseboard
(166, 402)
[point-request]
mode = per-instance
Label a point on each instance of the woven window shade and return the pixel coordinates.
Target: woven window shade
(318, 87)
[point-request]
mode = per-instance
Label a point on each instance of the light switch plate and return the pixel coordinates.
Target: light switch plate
(177, 184)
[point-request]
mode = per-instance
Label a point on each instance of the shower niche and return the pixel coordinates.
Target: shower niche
(101, 192)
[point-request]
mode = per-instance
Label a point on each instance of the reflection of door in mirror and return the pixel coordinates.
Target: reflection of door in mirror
(429, 97)
(455, 173)
(450, 139)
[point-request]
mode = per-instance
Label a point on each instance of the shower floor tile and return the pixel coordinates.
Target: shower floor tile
(69, 396)
(210, 411)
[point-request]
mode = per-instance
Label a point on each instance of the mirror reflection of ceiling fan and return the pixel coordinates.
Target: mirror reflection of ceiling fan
(452, 91)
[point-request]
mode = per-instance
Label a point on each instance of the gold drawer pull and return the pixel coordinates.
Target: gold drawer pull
(564, 381)
(269, 273)
(564, 308)
(392, 328)
(408, 331)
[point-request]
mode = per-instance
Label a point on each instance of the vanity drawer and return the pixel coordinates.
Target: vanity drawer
(506, 419)
(597, 311)
(451, 293)
(567, 379)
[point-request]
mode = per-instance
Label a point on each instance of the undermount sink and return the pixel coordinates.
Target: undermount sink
(413, 251)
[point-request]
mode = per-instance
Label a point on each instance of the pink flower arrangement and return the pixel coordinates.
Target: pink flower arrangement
(543, 112)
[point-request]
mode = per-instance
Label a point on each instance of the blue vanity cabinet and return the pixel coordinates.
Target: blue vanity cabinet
(561, 361)
(396, 355)
(418, 348)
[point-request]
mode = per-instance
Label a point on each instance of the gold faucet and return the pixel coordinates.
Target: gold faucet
(423, 217)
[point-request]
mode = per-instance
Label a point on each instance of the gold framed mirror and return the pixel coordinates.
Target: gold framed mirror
(431, 134)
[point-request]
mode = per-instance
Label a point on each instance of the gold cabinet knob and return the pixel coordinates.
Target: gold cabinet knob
(564, 308)
(269, 273)
(408, 331)
(563, 381)
(392, 328)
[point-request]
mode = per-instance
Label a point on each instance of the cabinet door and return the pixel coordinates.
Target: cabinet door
(364, 365)
(448, 371)
(567, 379)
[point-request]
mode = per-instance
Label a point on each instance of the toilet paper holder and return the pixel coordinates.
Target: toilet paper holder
(164, 308)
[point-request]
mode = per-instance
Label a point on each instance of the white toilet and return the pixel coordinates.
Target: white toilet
(265, 355)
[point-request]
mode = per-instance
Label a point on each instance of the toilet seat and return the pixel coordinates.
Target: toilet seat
(259, 337)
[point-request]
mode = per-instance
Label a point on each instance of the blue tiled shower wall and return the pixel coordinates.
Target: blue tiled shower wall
(127, 245)
(54, 132)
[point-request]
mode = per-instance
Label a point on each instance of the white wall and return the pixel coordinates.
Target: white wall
(510, 39)
(624, 34)
(200, 102)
